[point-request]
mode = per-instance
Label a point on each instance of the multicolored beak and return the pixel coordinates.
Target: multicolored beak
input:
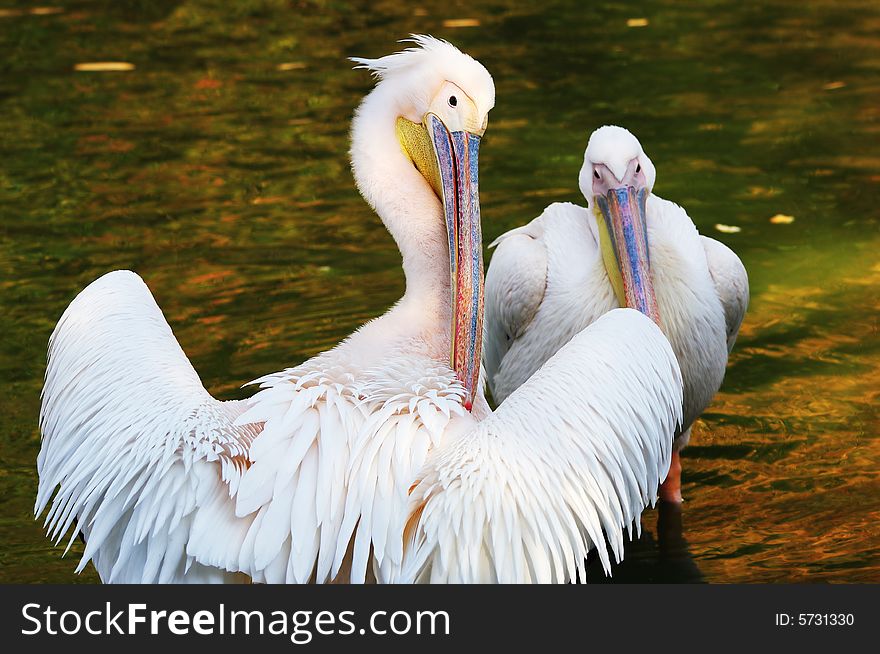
(457, 163)
(623, 235)
(448, 160)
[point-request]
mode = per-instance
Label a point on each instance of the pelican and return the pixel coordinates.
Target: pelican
(309, 479)
(554, 276)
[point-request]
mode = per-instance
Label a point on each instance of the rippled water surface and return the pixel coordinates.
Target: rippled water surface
(217, 169)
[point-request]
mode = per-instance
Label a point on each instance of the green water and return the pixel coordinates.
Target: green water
(223, 181)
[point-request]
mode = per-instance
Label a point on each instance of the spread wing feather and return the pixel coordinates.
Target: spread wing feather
(578, 450)
(132, 441)
(328, 483)
(168, 484)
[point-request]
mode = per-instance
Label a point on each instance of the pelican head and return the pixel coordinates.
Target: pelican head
(438, 100)
(616, 179)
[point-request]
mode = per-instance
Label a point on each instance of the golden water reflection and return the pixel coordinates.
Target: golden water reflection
(217, 169)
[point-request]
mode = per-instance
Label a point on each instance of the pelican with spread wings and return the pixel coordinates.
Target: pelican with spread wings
(380, 456)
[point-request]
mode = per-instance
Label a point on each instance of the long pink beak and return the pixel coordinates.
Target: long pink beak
(457, 160)
(624, 211)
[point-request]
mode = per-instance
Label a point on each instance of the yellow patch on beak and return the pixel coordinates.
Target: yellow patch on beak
(609, 256)
(416, 144)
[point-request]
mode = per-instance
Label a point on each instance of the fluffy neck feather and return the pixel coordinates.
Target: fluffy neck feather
(407, 206)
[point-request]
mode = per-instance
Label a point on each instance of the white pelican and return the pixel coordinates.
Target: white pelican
(554, 276)
(308, 479)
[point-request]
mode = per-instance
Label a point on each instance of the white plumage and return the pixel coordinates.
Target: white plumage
(160, 475)
(308, 480)
(577, 450)
(547, 281)
(131, 437)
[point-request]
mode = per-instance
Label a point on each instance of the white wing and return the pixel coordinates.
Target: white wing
(131, 439)
(326, 491)
(579, 449)
(731, 283)
(515, 285)
(169, 485)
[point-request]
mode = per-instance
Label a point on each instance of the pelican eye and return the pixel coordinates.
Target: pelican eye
(638, 168)
(453, 101)
(595, 173)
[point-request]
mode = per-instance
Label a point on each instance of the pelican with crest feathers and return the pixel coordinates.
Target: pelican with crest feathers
(553, 277)
(380, 456)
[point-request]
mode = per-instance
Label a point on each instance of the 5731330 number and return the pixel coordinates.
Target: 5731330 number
(815, 619)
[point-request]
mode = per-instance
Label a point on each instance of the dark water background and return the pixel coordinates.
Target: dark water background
(217, 169)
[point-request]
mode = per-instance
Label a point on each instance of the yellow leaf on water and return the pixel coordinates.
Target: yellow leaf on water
(727, 229)
(270, 199)
(33, 11)
(763, 191)
(291, 65)
(782, 219)
(103, 66)
(461, 22)
(832, 86)
(636, 22)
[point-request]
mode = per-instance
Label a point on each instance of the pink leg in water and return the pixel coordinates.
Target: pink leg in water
(670, 490)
